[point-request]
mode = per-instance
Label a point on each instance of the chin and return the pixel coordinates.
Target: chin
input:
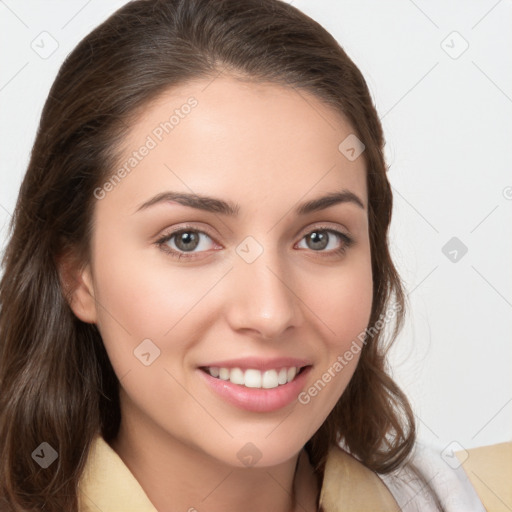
(259, 451)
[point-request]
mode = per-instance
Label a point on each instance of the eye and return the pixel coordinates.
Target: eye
(327, 240)
(185, 240)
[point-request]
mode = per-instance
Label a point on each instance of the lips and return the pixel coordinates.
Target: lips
(257, 385)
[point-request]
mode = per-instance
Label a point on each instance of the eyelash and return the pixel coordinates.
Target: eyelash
(347, 241)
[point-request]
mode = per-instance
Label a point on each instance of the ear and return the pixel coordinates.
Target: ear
(77, 286)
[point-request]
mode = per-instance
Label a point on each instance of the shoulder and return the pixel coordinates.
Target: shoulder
(475, 480)
(108, 485)
(349, 485)
(489, 468)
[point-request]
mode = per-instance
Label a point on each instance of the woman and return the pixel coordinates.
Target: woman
(198, 281)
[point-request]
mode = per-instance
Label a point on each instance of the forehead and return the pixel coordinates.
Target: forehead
(249, 139)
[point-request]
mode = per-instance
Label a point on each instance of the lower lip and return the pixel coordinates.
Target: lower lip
(257, 399)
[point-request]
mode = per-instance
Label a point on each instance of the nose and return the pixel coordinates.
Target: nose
(262, 300)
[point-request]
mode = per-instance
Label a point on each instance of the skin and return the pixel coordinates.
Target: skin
(266, 148)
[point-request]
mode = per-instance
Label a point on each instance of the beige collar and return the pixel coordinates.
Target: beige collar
(108, 485)
(349, 486)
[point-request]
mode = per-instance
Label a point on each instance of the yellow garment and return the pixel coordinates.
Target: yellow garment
(108, 485)
(350, 486)
(489, 469)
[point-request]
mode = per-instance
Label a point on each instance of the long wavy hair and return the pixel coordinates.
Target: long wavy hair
(57, 383)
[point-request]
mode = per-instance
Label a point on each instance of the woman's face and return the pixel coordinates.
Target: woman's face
(244, 275)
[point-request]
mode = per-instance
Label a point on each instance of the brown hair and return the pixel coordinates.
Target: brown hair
(57, 383)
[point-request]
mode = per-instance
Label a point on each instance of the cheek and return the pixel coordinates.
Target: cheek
(150, 307)
(343, 301)
(142, 295)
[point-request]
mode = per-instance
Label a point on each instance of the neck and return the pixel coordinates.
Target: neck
(176, 476)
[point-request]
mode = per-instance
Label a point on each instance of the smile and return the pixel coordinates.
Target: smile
(253, 378)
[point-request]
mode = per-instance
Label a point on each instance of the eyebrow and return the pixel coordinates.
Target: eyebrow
(214, 205)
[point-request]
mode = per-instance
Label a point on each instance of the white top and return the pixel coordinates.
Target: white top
(444, 473)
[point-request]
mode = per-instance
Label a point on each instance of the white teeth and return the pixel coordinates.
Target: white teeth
(291, 374)
(269, 379)
(236, 376)
(252, 378)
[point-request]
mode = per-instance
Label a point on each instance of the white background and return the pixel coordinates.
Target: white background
(448, 127)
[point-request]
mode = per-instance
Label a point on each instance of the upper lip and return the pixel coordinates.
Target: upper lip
(259, 363)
